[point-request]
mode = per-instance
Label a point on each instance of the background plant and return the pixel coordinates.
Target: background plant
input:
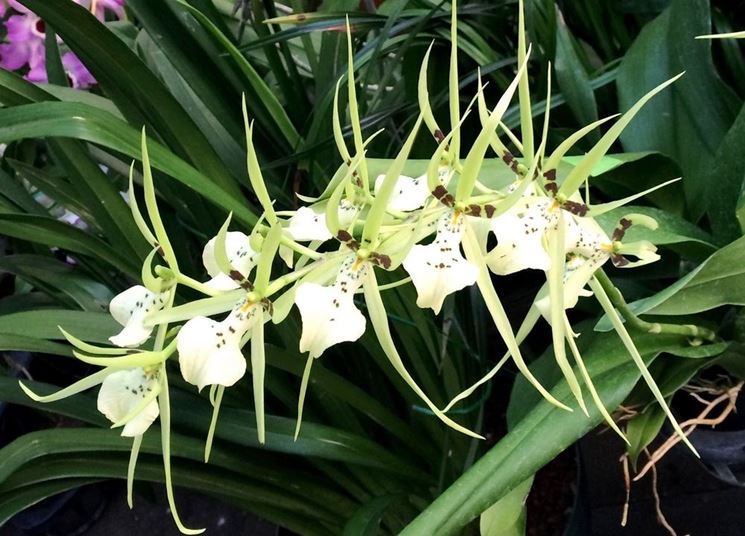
(180, 71)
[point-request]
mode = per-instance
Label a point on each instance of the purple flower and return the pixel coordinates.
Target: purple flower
(25, 42)
(100, 7)
(79, 75)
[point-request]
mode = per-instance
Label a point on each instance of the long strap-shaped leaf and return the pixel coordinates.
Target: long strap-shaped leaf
(138, 93)
(85, 122)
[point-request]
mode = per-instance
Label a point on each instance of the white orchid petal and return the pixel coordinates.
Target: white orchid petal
(347, 211)
(240, 254)
(577, 273)
(439, 269)
(210, 352)
(121, 393)
(306, 225)
(520, 235)
(129, 308)
(328, 313)
(408, 193)
(584, 236)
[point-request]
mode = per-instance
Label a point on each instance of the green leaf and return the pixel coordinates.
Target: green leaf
(55, 276)
(366, 520)
(506, 517)
(719, 280)
(85, 122)
(672, 229)
(19, 500)
(88, 326)
(642, 429)
(103, 205)
(726, 175)
(141, 97)
(572, 77)
(191, 475)
(689, 121)
(54, 233)
(261, 92)
(10, 342)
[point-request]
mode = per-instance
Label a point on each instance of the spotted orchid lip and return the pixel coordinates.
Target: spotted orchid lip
(439, 268)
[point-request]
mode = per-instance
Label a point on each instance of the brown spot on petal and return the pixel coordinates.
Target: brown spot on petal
(381, 260)
(344, 236)
(620, 231)
(618, 261)
(578, 209)
(441, 193)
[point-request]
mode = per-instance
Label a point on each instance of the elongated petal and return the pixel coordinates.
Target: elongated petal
(307, 224)
(439, 269)
(241, 257)
(408, 194)
(121, 392)
(328, 313)
(209, 351)
(129, 309)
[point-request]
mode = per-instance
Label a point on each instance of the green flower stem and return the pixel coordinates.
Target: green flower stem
(286, 240)
(282, 281)
(193, 284)
(618, 301)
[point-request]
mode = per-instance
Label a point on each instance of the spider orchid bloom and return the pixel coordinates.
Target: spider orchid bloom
(589, 248)
(328, 313)
(130, 396)
(521, 235)
(130, 308)
(439, 269)
(210, 352)
(307, 224)
(240, 255)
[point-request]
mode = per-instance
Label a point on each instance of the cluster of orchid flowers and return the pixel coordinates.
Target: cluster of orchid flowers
(25, 35)
(333, 248)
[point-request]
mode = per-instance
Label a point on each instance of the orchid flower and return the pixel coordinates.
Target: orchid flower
(130, 396)
(26, 32)
(240, 255)
(210, 352)
(130, 308)
(307, 224)
(439, 269)
(328, 313)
